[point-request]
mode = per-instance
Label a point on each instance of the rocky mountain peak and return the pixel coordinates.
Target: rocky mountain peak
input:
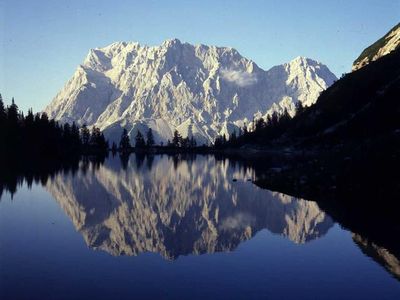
(303, 61)
(172, 42)
(200, 90)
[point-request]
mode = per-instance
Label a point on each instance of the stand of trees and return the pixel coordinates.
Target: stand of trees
(36, 135)
(145, 143)
(92, 141)
(263, 131)
(124, 144)
(180, 142)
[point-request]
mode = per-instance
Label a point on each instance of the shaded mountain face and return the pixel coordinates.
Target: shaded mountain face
(201, 91)
(178, 207)
(363, 104)
(385, 45)
(352, 138)
(346, 146)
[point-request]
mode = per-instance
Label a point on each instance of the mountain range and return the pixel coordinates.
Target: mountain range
(201, 91)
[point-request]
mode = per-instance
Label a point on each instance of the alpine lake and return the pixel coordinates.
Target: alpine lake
(180, 227)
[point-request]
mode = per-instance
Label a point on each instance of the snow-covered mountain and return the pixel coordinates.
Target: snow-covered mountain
(199, 90)
(385, 45)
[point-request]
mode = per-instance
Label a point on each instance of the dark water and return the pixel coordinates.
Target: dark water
(166, 228)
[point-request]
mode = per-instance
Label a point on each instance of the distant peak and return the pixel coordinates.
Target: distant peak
(304, 60)
(299, 58)
(171, 42)
(111, 46)
(118, 44)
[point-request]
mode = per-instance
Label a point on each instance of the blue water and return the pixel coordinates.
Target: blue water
(176, 230)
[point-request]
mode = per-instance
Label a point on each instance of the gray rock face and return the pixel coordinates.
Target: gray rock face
(385, 45)
(201, 91)
(179, 207)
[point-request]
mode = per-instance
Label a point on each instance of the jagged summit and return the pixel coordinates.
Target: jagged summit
(303, 60)
(200, 90)
(171, 42)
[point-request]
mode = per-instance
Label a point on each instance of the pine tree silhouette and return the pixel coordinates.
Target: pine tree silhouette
(125, 143)
(35, 135)
(177, 139)
(150, 138)
(139, 140)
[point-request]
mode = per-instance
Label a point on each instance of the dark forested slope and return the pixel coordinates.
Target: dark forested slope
(348, 143)
(361, 105)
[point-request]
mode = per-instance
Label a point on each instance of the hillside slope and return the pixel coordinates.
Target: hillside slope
(347, 145)
(386, 44)
(361, 105)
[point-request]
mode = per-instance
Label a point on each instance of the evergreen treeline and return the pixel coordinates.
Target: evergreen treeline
(263, 131)
(142, 142)
(180, 142)
(35, 135)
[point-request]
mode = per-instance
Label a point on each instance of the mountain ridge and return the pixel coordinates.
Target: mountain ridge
(388, 43)
(203, 91)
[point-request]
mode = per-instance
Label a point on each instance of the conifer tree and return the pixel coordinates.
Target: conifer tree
(177, 139)
(75, 138)
(193, 142)
(2, 109)
(150, 138)
(125, 143)
(95, 137)
(114, 147)
(185, 142)
(139, 140)
(274, 119)
(285, 117)
(12, 113)
(260, 124)
(233, 137)
(245, 130)
(67, 131)
(85, 135)
(29, 118)
(299, 108)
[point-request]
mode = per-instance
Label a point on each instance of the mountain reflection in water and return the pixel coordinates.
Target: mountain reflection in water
(186, 204)
(177, 207)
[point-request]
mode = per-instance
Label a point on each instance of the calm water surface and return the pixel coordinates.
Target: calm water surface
(166, 228)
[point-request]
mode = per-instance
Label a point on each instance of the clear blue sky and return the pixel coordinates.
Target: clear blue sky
(43, 41)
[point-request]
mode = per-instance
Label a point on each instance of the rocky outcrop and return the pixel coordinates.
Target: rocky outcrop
(385, 45)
